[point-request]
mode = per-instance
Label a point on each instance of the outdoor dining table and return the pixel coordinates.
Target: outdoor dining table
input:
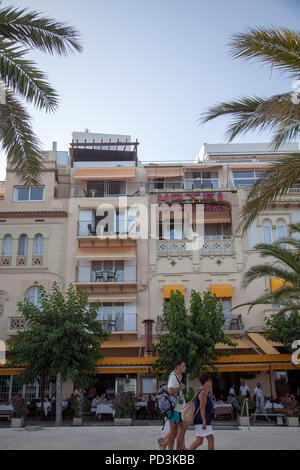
(6, 411)
(104, 409)
(140, 404)
(223, 409)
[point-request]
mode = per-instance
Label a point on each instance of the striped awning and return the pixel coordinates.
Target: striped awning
(104, 173)
(164, 172)
(276, 283)
(106, 253)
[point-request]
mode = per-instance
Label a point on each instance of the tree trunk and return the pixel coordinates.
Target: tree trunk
(42, 398)
(58, 419)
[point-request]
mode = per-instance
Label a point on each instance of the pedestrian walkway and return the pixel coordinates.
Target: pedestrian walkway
(135, 438)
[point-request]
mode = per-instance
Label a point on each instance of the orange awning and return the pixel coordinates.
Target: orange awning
(221, 290)
(262, 343)
(104, 173)
(168, 289)
(106, 252)
(277, 283)
(164, 172)
(115, 297)
(217, 217)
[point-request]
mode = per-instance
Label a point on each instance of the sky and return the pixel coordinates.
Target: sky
(149, 68)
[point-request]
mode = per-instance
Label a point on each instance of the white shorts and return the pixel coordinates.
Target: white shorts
(199, 432)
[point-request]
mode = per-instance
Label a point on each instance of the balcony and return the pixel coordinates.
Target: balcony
(86, 275)
(107, 189)
(119, 322)
(211, 246)
(88, 228)
(232, 324)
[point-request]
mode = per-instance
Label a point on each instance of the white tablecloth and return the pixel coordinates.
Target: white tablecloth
(140, 404)
(6, 407)
(275, 405)
(105, 409)
(47, 405)
(222, 405)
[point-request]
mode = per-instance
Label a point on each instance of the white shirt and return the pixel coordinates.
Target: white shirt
(174, 382)
(232, 391)
(244, 389)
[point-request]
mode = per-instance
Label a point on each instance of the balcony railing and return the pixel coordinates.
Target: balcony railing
(234, 323)
(15, 324)
(119, 321)
(95, 275)
(89, 228)
(107, 189)
(211, 246)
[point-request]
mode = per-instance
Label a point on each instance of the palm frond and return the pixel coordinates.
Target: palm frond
(21, 76)
(32, 29)
(19, 141)
(277, 112)
(271, 184)
(278, 47)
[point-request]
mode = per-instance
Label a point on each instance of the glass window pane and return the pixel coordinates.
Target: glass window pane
(21, 194)
(38, 248)
(36, 193)
(243, 174)
(4, 387)
(7, 246)
(267, 231)
(23, 245)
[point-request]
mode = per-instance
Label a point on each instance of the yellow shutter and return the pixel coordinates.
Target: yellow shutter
(221, 290)
(168, 289)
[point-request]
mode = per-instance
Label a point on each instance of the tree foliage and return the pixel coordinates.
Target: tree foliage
(192, 335)
(62, 335)
(284, 329)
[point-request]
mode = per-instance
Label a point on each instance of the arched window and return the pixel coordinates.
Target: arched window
(281, 231)
(38, 246)
(267, 232)
(23, 245)
(7, 245)
(32, 295)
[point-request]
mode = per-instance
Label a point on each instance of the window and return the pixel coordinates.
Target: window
(126, 387)
(31, 193)
(267, 232)
(281, 232)
(16, 389)
(245, 179)
(7, 245)
(201, 179)
(226, 307)
(23, 245)
(4, 387)
(32, 295)
(149, 385)
(38, 246)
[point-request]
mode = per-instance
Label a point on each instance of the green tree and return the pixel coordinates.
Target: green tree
(284, 329)
(62, 338)
(192, 335)
(21, 31)
(280, 49)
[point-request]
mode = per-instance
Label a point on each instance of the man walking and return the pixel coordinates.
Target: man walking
(177, 428)
(260, 403)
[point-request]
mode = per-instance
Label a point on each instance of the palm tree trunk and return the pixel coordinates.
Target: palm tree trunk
(58, 419)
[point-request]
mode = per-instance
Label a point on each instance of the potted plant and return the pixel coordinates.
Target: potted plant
(17, 420)
(124, 411)
(291, 409)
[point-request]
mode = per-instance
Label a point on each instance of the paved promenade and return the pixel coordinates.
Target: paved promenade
(141, 438)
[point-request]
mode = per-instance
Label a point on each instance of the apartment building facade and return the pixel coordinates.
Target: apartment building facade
(132, 271)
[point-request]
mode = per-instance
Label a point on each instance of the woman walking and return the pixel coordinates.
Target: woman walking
(204, 412)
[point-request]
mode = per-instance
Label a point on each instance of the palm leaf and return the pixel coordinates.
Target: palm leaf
(271, 184)
(30, 28)
(279, 48)
(22, 77)
(19, 141)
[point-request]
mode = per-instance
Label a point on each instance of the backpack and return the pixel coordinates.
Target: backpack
(165, 401)
(189, 412)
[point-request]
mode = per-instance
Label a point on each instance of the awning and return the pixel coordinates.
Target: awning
(104, 173)
(10, 371)
(277, 283)
(123, 343)
(117, 297)
(168, 289)
(106, 253)
(217, 217)
(262, 343)
(221, 290)
(165, 172)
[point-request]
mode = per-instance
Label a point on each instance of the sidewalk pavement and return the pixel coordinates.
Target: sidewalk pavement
(141, 438)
